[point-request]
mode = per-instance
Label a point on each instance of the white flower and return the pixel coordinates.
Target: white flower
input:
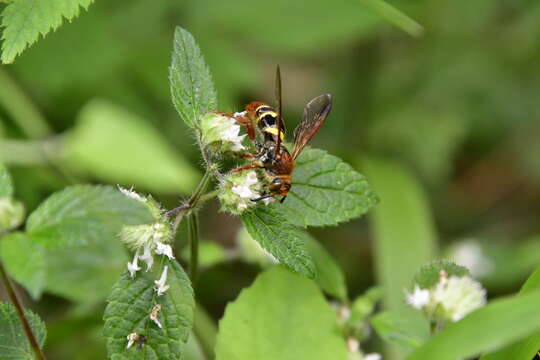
(161, 286)
(220, 129)
(131, 338)
(418, 298)
(459, 296)
(133, 266)
(239, 189)
(164, 249)
(132, 194)
(154, 315)
(353, 345)
(11, 213)
(372, 356)
(469, 254)
(147, 257)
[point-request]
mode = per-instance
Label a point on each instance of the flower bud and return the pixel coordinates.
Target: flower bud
(221, 133)
(11, 214)
(238, 190)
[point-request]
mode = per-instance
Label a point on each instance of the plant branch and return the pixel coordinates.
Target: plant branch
(21, 108)
(27, 329)
(193, 236)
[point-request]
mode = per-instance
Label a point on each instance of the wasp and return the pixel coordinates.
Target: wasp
(272, 155)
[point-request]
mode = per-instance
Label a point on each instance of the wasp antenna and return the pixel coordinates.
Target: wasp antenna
(279, 109)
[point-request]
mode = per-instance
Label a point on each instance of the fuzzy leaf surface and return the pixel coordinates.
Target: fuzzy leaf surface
(191, 84)
(129, 308)
(84, 214)
(326, 191)
(281, 316)
(25, 20)
(269, 227)
(13, 342)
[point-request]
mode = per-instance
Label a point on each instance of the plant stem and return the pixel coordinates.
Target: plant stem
(20, 313)
(21, 108)
(193, 235)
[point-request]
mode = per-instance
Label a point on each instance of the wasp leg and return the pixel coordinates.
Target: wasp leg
(247, 167)
(282, 199)
(244, 121)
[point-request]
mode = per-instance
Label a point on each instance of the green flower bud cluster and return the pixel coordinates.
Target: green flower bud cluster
(11, 214)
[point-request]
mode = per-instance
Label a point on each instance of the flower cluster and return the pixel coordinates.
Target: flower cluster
(221, 132)
(238, 190)
(450, 299)
(148, 240)
(11, 214)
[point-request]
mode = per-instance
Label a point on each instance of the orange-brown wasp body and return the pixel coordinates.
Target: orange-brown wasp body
(271, 154)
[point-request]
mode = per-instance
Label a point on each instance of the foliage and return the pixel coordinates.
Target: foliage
(278, 309)
(25, 20)
(13, 343)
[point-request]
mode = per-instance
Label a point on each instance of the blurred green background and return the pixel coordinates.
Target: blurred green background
(446, 126)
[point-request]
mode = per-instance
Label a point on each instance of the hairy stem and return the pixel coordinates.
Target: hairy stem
(193, 235)
(27, 329)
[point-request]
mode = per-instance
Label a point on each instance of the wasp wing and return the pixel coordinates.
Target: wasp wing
(279, 109)
(315, 113)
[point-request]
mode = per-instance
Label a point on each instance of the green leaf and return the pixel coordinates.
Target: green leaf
(24, 260)
(84, 214)
(129, 308)
(6, 185)
(25, 20)
(79, 273)
(13, 340)
(499, 323)
(191, 84)
(394, 16)
(114, 145)
(269, 227)
(528, 347)
(281, 316)
(401, 329)
(329, 275)
(404, 237)
(326, 191)
(403, 233)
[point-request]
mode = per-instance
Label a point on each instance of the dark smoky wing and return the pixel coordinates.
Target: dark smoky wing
(315, 113)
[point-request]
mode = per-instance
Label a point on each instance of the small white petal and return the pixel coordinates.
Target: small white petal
(242, 113)
(133, 266)
(131, 338)
(147, 257)
(243, 191)
(154, 315)
(164, 249)
(419, 297)
(353, 345)
(161, 286)
(372, 356)
(132, 194)
(459, 296)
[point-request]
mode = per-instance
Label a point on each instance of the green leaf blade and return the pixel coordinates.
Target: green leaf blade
(13, 341)
(499, 323)
(281, 316)
(84, 214)
(192, 89)
(25, 20)
(330, 278)
(113, 144)
(268, 226)
(129, 308)
(326, 191)
(25, 261)
(528, 347)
